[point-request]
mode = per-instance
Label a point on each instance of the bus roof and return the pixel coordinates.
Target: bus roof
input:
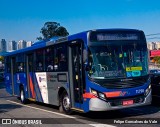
(54, 40)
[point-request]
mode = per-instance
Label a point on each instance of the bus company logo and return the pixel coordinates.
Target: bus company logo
(41, 79)
(124, 93)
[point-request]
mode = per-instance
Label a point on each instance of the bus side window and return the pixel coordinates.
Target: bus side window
(8, 64)
(20, 66)
(62, 62)
(39, 67)
(60, 58)
(19, 63)
(39, 60)
(49, 59)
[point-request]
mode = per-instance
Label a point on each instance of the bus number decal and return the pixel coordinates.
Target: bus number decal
(140, 91)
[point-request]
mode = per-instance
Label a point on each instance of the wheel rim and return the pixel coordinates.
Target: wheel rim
(66, 103)
(22, 95)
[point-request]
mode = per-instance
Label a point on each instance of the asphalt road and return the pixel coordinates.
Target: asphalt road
(47, 115)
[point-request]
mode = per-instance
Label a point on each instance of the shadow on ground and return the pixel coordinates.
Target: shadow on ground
(8, 107)
(109, 116)
(2, 85)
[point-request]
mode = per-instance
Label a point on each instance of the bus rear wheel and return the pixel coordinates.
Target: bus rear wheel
(65, 105)
(22, 96)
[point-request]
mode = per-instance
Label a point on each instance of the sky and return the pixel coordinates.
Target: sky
(23, 19)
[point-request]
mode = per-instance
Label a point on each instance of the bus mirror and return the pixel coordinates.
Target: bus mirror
(85, 54)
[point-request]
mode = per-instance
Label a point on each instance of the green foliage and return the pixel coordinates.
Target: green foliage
(157, 60)
(39, 38)
(1, 58)
(52, 29)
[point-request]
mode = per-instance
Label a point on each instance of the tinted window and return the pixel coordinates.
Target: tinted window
(49, 61)
(20, 63)
(60, 58)
(39, 66)
(8, 64)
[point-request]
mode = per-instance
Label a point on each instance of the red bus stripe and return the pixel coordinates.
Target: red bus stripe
(113, 94)
(31, 87)
(88, 95)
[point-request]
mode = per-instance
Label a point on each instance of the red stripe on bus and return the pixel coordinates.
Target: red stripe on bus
(88, 95)
(31, 87)
(113, 94)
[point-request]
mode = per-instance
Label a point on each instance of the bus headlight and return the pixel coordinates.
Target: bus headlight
(98, 94)
(94, 92)
(101, 95)
(147, 90)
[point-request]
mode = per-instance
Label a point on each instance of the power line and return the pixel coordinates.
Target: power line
(153, 38)
(153, 34)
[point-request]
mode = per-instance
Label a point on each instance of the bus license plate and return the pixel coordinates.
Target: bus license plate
(128, 102)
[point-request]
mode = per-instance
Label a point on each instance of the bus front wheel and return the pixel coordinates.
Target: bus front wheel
(65, 105)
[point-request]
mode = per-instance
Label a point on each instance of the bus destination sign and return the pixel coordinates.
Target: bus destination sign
(122, 36)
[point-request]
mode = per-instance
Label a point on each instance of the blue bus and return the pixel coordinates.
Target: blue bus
(95, 70)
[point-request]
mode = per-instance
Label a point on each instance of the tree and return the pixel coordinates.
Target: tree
(39, 38)
(52, 29)
(2, 58)
(157, 60)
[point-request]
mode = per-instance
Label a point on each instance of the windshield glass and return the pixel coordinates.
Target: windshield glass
(118, 60)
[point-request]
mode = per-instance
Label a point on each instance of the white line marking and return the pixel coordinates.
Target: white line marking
(101, 125)
(42, 109)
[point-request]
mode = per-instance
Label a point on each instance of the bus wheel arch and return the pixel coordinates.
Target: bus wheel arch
(64, 101)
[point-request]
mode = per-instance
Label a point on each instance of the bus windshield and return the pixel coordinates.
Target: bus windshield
(117, 60)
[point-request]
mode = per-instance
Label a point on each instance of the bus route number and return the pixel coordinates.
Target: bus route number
(139, 91)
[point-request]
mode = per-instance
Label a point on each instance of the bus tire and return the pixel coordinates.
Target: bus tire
(65, 105)
(22, 96)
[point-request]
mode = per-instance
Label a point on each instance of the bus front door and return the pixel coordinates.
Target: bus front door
(75, 75)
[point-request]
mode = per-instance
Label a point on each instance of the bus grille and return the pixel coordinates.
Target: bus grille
(121, 84)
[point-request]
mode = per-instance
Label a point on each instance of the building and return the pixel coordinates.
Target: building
(153, 64)
(153, 45)
(154, 48)
(29, 43)
(12, 45)
(3, 45)
(21, 44)
(158, 45)
(149, 45)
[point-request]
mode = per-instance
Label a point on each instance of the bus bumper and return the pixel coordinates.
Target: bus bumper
(96, 104)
